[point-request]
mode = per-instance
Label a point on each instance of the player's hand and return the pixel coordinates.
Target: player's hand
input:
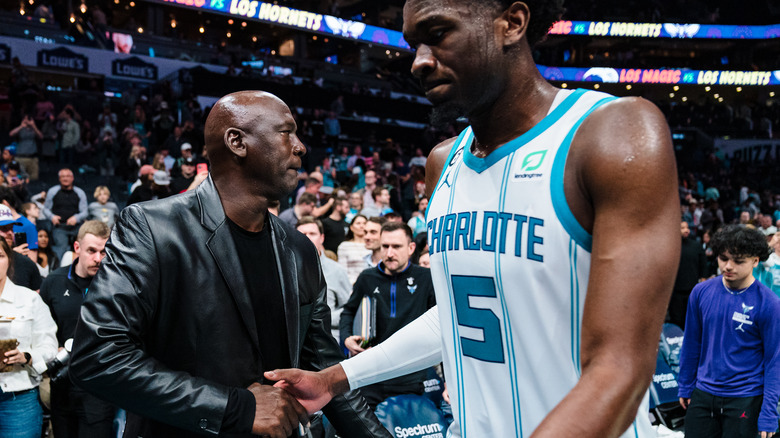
(353, 344)
(22, 249)
(767, 434)
(71, 221)
(55, 220)
(277, 413)
(312, 390)
(684, 402)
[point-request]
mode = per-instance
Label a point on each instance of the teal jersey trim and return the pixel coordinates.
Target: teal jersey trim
(479, 165)
(575, 308)
(461, 385)
(466, 132)
(510, 350)
(562, 210)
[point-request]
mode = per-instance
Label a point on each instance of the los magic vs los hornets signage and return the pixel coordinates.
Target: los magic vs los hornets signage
(134, 67)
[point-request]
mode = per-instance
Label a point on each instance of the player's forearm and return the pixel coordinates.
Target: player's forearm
(413, 348)
(613, 391)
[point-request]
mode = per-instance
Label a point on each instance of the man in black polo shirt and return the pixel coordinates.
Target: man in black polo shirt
(66, 204)
(76, 413)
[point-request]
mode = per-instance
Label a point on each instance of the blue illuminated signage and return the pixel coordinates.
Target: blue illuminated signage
(295, 18)
(661, 76)
(664, 30)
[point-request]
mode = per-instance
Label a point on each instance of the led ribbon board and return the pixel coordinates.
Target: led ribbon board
(298, 19)
(664, 30)
(660, 76)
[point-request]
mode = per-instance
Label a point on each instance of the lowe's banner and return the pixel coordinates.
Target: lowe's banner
(74, 59)
(664, 30)
(660, 76)
(751, 151)
(298, 19)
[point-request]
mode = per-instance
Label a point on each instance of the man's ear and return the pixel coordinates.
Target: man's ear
(234, 140)
(515, 23)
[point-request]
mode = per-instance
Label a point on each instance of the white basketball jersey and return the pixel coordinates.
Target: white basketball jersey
(510, 266)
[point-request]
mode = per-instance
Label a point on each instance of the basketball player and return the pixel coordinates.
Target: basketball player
(553, 233)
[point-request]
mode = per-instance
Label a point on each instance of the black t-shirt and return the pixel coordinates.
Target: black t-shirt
(262, 280)
(26, 273)
(65, 204)
(255, 250)
(180, 184)
(334, 233)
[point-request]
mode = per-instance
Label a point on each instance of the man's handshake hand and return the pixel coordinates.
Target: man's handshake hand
(277, 413)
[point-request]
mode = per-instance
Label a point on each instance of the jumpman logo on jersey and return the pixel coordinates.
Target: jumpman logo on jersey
(446, 180)
(744, 415)
(454, 159)
(66, 294)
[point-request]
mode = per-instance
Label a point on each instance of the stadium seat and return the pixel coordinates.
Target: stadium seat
(670, 345)
(664, 404)
(411, 416)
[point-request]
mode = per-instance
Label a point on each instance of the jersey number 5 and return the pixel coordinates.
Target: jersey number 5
(491, 348)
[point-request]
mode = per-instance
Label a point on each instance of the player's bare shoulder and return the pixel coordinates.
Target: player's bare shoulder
(437, 160)
(628, 137)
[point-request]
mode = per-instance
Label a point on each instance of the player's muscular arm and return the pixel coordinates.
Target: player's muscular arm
(437, 159)
(621, 183)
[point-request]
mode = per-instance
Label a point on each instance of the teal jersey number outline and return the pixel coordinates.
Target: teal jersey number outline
(491, 348)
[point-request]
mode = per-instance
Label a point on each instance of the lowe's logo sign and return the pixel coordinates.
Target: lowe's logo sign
(63, 58)
(134, 67)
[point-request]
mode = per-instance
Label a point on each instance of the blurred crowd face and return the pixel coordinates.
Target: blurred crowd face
(371, 239)
(358, 226)
(312, 231)
(370, 178)
(356, 201)
(66, 178)
(685, 231)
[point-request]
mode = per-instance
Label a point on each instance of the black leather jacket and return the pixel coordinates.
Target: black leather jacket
(167, 327)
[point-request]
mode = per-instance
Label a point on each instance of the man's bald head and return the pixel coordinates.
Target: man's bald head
(251, 139)
(235, 110)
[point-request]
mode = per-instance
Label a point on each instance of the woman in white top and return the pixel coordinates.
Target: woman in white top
(26, 318)
(352, 251)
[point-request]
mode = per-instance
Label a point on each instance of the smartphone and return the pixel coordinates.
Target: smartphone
(20, 238)
(202, 168)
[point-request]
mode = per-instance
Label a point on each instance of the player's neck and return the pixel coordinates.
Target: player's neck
(738, 286)
(512, 115)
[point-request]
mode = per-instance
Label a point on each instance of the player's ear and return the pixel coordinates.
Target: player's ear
(515, 23)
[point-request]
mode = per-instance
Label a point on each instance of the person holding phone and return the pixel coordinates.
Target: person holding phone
(25, 233)
(25, 272)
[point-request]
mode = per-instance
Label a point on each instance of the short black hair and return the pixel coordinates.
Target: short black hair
(544, 13)
(395, 226)
(740, 240)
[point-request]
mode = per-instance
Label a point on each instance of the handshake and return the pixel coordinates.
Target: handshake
(279, 409)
